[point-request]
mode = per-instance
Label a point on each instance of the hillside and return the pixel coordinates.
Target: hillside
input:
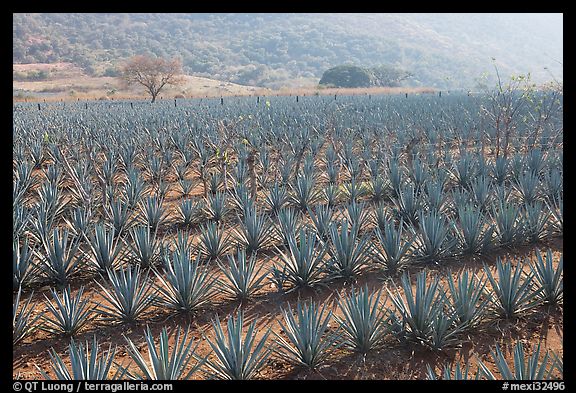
(274, 50)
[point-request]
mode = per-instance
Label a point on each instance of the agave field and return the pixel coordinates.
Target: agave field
(323, 237)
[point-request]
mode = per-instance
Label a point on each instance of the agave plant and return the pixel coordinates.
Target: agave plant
(86, 363)
(357, 214)
(105, 248)
(238, 356)
(185, 286)
(481, 192)
(242, 276)
(453, 372)
(59, 259)
(303, 262)
(213, 241)
(392, 250)
(23, 322)
(423, 312)
(80, 221)
(364, 322)
(348, 251)
(68, 314)
(167, 361)
(129, 295)
(468, 298)
(308, 341)
(473, 230)
(190, 212)
(331, 194)
(288, 223)
(186, 186)
(276, 198)
(556, 208)
(509, 225)
(408, 203)
(321, 218)
(464, 170)
(134, 188)
(118, 213)
(144, 245)
(354, 190)
(23, 268)
(548, 278)
(304, 193)
(379, 189)
(216, 207)
(500, 170)
(256, 231)
(535, 219)
(435, 196)
(525, 367)
(528, 187)
(514, 292)
(435, 240)
(152, 212)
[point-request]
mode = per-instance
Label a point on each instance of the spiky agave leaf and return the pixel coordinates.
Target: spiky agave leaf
(67, 315)
(86, 363)
(548, 278)
(23, 322)
(128, 293)
(379, 189)
(514, 292)
(166, 361)
(238, 356)
(364, 322)
(214, 242)
(185, 286)
(308, 341)
(242, 276)
(525, 368)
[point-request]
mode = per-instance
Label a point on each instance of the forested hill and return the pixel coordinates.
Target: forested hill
(440, 50)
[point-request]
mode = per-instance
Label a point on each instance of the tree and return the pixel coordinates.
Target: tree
(346, 76)
(152, 72)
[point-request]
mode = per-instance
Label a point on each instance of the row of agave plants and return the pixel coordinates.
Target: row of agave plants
(432, 314)
(428, 217)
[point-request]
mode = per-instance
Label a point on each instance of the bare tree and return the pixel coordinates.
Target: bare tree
(152, 72)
